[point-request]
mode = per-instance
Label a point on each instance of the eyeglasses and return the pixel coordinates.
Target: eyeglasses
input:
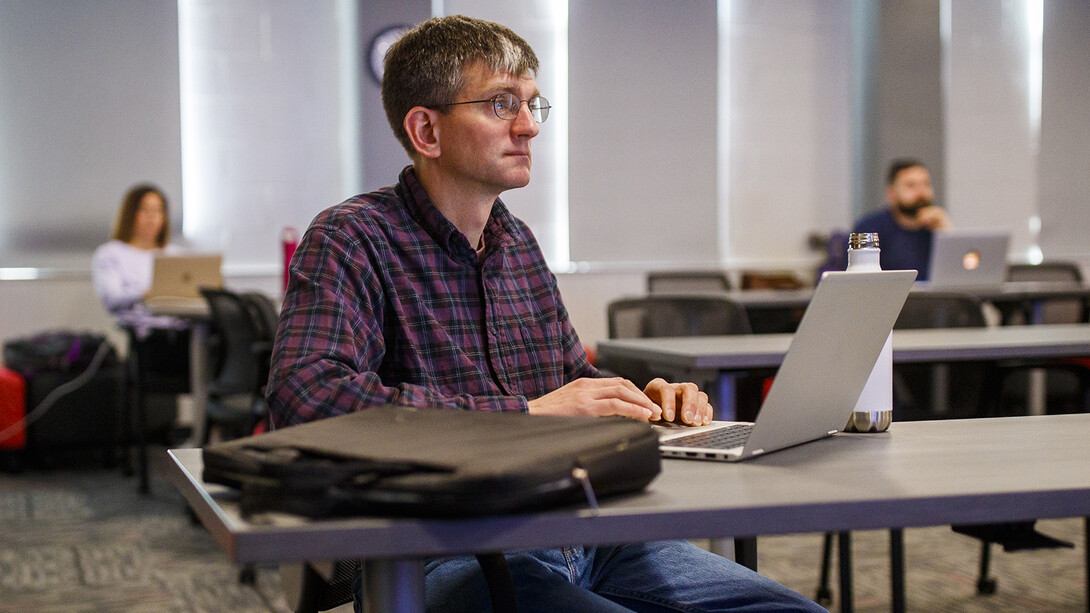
(507, 106)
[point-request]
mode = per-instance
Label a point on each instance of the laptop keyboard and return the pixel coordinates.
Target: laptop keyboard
(721, 438)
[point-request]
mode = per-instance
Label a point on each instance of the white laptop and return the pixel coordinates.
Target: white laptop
(968, 258)
(176, 282)
(816, 387)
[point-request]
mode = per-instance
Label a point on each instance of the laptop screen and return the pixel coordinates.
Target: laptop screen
(969, 257)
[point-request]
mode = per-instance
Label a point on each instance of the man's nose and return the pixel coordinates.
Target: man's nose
(524, 122)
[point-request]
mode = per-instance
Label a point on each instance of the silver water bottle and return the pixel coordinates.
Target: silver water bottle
(874, 409)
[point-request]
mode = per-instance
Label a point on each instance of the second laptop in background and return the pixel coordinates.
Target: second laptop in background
(969, 258)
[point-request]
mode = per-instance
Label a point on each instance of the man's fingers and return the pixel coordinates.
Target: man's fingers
(617, 406)
(618, 396)
(663, 394)
(692, 402)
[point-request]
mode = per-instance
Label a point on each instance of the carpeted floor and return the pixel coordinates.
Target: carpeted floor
(83, 539)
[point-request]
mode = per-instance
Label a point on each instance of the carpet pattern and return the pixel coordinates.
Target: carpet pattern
(84, 540)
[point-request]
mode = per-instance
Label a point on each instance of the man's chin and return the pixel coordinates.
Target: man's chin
(910, 211)
(516, 180)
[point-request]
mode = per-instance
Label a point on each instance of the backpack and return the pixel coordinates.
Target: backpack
(59, 351)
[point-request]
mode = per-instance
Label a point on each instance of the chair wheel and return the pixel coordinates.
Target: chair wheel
(824, 596)
(986, 587)
(247, 575)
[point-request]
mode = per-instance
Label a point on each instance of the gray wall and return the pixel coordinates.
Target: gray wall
(642, 155)
(898, 95)
(382, 157)
(88, 107)
(1065, 131)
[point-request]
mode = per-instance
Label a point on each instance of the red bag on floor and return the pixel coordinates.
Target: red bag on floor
(12, 409)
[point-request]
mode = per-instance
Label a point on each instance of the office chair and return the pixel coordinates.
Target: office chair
(1067, 382)
(675, 315)
(925, 391)
(664, 315)
(687, 281)
(265, 313)
(1064, 311)
(266, 316)
(236, 404)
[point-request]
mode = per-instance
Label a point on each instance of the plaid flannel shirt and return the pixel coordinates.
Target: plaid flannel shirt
(387, 302)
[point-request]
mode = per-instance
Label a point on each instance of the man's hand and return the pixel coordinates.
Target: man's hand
(933, 218)
(598, 398)
(680, 402)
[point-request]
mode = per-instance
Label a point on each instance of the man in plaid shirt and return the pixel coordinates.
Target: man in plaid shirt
(430, 293)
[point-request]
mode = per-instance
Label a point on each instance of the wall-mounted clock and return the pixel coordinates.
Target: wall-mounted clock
(379, 45)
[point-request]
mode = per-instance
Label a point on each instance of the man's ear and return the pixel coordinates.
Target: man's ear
(423, 130)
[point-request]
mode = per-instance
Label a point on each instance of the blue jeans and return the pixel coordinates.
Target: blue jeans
(669, 576)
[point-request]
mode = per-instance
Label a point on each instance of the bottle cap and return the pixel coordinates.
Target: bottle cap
(863, 240)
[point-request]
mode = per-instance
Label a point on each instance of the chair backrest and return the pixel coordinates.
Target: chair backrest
(941, 310)
(944, 390)
(683, 281)
(1045, 271)
(766, 279)
(240, 370)
(264, 313)
(676, 315)
(1053, 311)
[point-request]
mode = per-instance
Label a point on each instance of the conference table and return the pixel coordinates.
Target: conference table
(1012, 298)
(710, 358)
(927, 473)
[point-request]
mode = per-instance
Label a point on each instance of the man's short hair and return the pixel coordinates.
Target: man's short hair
(425, 66)
(896, 166)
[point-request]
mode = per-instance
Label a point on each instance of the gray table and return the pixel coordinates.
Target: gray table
(1013, 297)
(1018, 297)
(916, 474)
(703, 358)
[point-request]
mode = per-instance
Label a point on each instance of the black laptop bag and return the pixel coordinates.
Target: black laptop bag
(410, 462)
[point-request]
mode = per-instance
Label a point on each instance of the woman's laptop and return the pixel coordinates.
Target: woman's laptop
(176, 282)
(816, 387)
(968, 258)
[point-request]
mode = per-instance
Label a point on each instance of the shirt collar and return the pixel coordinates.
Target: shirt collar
(499, 232)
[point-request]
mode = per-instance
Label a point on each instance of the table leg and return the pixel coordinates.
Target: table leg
(1037, 391)
(844, 556)
(1037, 387)
(198, 380)
(745, 551)
(897, 568)
(742, 550)
(940, 389)
(395, 586)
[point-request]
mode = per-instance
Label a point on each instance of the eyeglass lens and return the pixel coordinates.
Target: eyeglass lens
(507, 107)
